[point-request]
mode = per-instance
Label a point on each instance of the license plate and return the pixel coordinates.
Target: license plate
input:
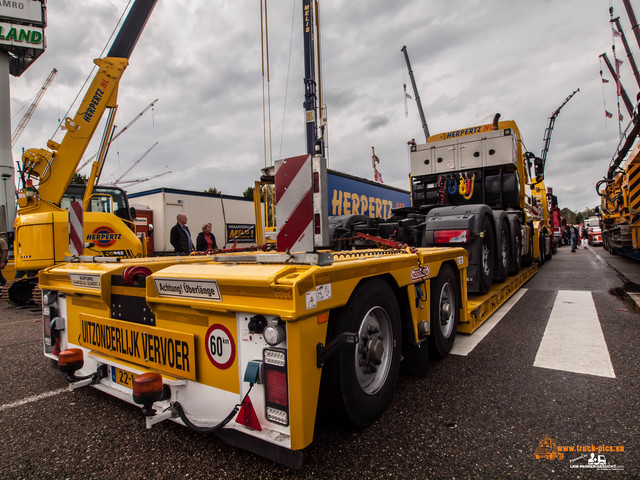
(122, 377)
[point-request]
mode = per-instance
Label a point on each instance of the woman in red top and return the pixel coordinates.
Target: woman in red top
(206, 240)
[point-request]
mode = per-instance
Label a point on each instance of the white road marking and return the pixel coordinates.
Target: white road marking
(34, 398)
(464, 344)
(573, 340)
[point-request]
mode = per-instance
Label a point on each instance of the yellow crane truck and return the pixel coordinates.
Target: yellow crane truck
(252, 345)
(42, 222)
(620, 198)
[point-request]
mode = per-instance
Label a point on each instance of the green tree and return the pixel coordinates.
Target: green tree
(248, 193)
(568, 215)
(213, 190)
(589, 212)
(79, 179)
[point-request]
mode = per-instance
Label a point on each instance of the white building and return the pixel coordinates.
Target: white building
(232, 217)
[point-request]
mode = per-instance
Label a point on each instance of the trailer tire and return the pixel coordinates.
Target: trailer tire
(360, 379)
(527, 258)
(547, 256)
(487, 256)
(445, 312)
(515, 264)
(504, 254)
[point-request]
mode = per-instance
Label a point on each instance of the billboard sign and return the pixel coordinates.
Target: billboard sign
(21, 36)
(27, 11)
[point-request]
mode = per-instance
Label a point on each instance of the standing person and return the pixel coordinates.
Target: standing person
(206, 240)
(585, 236)
(181, 237)
(574, 238)
(4, 257)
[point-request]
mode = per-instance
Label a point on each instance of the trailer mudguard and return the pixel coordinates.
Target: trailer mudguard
(463, 217)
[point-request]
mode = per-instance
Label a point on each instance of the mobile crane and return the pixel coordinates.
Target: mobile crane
(619, 190)
(250, 345)
(42, 225)
(620, 197)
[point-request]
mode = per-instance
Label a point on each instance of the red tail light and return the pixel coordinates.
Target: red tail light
(276, 386)
(451, 236)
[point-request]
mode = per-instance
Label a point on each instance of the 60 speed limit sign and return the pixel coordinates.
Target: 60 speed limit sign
(220, 346)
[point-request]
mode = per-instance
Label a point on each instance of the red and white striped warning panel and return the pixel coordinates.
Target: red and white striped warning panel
(294, 203)
(76, 230)
(537, 210)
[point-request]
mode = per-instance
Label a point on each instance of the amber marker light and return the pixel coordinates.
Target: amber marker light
(147, 389)
(70, 360)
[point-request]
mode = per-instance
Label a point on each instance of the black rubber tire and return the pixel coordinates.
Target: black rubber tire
(547, 256)
(21, 292)
(487, 256)
(541, 242)
(527, 257)
(515, 264)
(445, 312)
(355, 395)
(504, 254)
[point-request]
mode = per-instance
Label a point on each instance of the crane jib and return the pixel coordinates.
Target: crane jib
(95, 101)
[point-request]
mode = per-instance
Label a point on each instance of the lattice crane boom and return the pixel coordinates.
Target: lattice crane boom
(126, 127)
(27, 116)
(549, 129)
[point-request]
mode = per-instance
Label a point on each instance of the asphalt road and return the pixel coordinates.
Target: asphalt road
(480, 415)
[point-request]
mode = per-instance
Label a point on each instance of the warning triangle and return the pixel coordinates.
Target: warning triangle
(247, 416)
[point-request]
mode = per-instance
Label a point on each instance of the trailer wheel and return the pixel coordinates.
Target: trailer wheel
(445, 312)
(547, 254)
(504, 254)
(360, 379)
(527, 258)
(541, 243)
(516, 252)
(487, 256)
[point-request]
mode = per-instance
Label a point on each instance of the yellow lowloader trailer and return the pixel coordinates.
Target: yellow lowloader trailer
(251, 345)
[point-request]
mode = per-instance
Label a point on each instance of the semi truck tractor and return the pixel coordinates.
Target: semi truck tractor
(473, 188)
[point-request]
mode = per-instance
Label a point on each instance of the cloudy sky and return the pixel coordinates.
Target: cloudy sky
(202, 60)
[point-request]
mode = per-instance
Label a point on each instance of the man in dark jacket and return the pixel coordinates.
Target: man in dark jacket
(574, 238)
(181, 237)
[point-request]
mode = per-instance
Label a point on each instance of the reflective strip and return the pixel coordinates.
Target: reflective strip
(76, 231)
(294, 203)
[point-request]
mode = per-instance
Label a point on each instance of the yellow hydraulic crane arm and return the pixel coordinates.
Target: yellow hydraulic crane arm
(54, 167)
(66, 155)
